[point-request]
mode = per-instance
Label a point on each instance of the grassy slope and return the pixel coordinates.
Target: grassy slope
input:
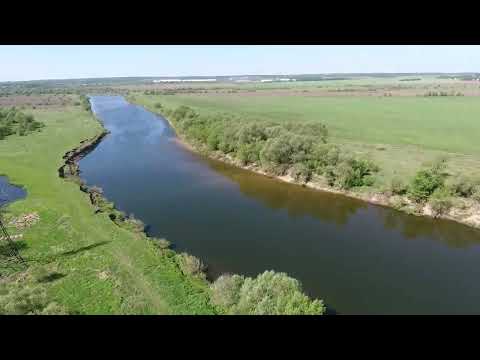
(399, 133)
(73, 241)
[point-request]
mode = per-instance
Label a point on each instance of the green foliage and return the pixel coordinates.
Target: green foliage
(160, 243)
(352, 173)
(440, 201)
(323, 156)
(25, 295)
(85, 103)
(426, 182)
(300, 147)
(13, 121)
(269, 293)
(301, 173)
(287, 149)
(226, 290)
(191, 265)
(463, 187)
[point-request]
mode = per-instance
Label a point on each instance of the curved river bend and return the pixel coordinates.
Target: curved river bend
(359, 258)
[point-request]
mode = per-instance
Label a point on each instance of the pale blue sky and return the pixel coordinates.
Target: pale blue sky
(62, 62)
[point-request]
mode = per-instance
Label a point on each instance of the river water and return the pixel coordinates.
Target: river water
(359, 258)
(9, 192)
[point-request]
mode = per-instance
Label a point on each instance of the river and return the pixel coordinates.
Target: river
(359, 258)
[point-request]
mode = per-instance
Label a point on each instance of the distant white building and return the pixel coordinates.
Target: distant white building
(183, 80)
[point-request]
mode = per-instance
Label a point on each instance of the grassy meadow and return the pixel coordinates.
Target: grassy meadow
(81, 262)
(98, 267)
(400, 133)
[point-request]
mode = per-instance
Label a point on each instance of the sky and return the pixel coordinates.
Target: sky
(38, 62)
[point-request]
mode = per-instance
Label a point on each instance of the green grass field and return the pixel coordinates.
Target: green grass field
(103, 269)
(400, 133)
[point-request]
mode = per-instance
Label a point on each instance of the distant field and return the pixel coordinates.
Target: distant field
(450, 124)
(401, 133)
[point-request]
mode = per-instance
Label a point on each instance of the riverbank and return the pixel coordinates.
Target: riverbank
(101, 261)
(92, 265)
(464, 211)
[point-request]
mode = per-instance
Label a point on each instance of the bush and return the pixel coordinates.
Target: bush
(425, 183)
(440, 201)
(324, 155)
(191, 265)
(463, 187)
(226, 290)
(301, 173)
(269, 293)
(249, 153)
(287, 149)
(161, 243)
(298, 146)
(476, 194)
(352, 173)
(13, 121)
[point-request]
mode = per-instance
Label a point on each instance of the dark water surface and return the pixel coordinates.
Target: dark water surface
(359, 258)
(9, 192)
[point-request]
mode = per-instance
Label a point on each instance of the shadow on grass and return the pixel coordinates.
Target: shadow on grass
(51, 277)
(84, 248)
(46, 259)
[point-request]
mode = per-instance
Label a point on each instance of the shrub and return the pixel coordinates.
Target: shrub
(249, 153)
(13, 121)
(161, 243)
(440, 201)
(269, 293)
(463, 187)
(287, 149)
(352, 173)
(301, 173)
(189, 264)
(226, 290)
(425, 183)
(133, 224)
(476, 194)
(324, 155)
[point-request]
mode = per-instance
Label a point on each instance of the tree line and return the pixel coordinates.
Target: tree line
(302, 150)
(13, 121)
(299, 149)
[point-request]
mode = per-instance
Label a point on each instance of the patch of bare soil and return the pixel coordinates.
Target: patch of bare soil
(25, 221)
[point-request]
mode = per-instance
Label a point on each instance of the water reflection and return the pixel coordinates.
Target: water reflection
(451, 234)
(297, 200)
